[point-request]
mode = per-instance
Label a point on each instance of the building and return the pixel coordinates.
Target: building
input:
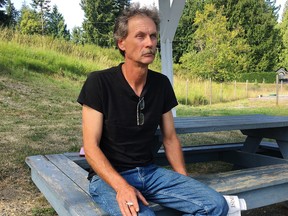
(282, 74)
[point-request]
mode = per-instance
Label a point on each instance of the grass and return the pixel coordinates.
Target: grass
(198, 92)
(40, 115)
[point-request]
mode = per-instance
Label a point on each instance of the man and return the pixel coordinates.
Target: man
(122, 108)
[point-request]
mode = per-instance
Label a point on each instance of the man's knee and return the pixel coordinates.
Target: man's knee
(222, 206)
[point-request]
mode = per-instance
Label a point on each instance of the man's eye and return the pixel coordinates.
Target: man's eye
(153, 37)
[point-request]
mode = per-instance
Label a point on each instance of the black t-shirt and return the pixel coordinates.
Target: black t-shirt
(126, 144)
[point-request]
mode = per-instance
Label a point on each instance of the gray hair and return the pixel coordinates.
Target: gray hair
(121, 24)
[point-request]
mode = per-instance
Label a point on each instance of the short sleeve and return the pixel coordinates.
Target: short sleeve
(91, 93)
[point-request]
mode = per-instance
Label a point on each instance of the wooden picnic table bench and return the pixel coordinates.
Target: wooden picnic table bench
(62, 178)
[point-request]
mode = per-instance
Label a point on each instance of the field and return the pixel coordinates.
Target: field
(40, 115)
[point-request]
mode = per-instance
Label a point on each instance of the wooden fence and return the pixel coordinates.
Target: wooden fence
(196, 92)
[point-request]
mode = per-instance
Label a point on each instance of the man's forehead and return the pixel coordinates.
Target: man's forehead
(142, 23)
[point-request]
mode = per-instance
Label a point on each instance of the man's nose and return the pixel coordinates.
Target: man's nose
(149, 41)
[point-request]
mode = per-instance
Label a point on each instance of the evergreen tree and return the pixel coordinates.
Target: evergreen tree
(283, 26)
(4, 20)
(76, 35)
(29, 22)
(12, 14)
(56, 25)
(258, 18)
(42, 7)
(219, 54)
(185, 30)
(99, 20)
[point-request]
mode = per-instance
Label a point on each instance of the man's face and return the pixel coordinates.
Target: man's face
(140, 43)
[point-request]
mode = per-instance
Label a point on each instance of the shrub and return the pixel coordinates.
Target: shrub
(261, 77)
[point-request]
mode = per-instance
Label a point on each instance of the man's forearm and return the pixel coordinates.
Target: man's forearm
(175, 157)
(100, 164)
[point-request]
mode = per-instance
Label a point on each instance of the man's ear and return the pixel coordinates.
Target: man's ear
(121, 44)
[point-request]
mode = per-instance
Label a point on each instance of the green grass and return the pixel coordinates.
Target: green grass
(242, 107)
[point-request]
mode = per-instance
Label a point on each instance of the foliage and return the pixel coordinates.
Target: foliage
(3, 16)
(258, 19)
(218, 53)
(29, 21)
(284, 34)
(185, 30)
(266, 77)
(42, 7)
(39, 20)
(100, 17)
(56, 25)
(12, 14)
(77, 35)
(48, 55)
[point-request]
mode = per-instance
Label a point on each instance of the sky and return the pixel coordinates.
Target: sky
(74, 15)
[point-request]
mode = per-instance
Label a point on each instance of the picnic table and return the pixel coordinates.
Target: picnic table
(261, 177)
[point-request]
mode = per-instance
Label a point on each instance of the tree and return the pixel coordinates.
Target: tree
(99, 20)
(283, 26)
(29, 22)
(56, 25)
(258, 19)
(3, 16)
(218, 53)
(42, 7)
(185, 30)
(76, 36)
(12, 14)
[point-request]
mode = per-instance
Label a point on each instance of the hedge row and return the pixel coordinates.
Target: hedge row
(258, 77)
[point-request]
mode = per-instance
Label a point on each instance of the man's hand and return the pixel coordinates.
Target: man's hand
(127, 198)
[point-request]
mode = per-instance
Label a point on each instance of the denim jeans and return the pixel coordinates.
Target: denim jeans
(165, 187)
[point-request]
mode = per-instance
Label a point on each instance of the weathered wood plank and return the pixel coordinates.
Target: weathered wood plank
(71, 170)
(192, 154)
(79, 176)
(237, 181)
(247, 159)
(223, 123)
(62, 193)
(259, 186)
(196, 153)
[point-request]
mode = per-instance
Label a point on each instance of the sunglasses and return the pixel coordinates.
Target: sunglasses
(140, 107)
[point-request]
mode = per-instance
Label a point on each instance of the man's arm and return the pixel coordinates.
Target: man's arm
(172, 146)
(92, 123)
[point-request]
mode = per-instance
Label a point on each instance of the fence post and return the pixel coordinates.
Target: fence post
(277, 89)
(246, 88)
(210, 91)
(221, 92)
(187, 91)
(235, 86)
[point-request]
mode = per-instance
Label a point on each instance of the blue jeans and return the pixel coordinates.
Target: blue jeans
(165, 187)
